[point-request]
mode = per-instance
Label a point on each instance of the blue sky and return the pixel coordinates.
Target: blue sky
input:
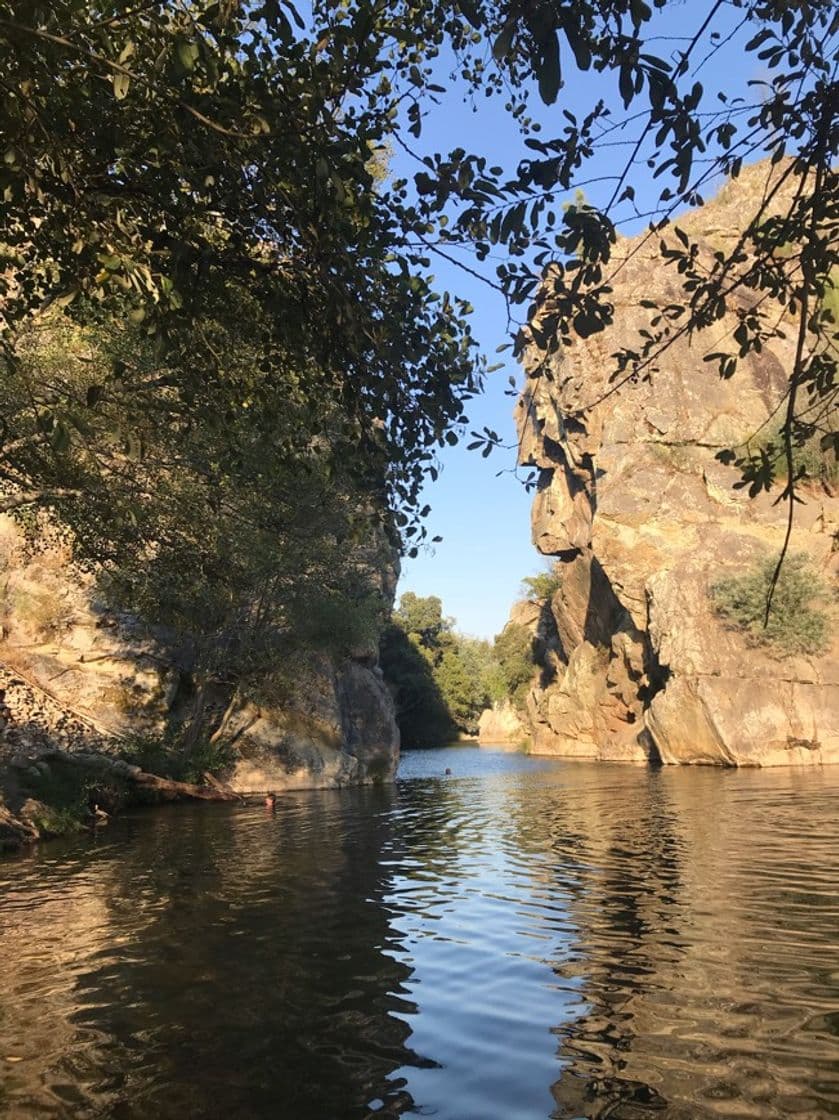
(483, 517)
(484, 520)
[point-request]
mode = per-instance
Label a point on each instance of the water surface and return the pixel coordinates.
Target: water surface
(521, 939)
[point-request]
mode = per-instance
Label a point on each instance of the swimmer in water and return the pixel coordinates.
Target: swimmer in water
(270, 801)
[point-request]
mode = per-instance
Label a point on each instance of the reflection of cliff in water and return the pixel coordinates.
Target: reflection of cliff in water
(245, 969)
(557, 940)
(701, 981)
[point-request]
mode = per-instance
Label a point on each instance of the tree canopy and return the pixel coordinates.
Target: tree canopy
(167, 161)
(164, 158)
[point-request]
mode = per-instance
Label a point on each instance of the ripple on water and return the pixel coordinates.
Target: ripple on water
(523, 939)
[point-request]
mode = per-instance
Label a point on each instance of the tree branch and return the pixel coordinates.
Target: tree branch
(29, 497)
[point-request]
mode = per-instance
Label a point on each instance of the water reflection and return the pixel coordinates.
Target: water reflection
(214, 963)
(522, 940)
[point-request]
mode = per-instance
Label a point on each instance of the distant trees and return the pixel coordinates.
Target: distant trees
(409, 659)
(443, 680)
(514, 653)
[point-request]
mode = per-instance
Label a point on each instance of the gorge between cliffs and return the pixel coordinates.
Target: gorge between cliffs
(624, 653)
(419, 560)
(505, 931)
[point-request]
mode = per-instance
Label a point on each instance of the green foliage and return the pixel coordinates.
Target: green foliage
(443, 680)
(157, 155)
(177, 755)
(542, 586)
(58, 822)
(514, 652)
(798, 620)
(213, 225)
(335, 621)
(422, 617)
(463, 676)
(67, 793)
(421, 711)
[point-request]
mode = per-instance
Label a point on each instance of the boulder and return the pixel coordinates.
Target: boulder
(501, 724)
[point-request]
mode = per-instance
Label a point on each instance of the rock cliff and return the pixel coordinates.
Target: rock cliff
(643, 520)
(76, 676)
(501, 725)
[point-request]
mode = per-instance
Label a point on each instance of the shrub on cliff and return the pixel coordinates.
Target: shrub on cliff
(542, 586)
(798, 622)
(514, 652)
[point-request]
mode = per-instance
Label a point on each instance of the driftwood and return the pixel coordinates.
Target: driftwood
(215, 792)
(222, 787)
(118, 768)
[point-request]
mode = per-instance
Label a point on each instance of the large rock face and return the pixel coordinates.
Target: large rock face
(643, 519)
(76, 676)
(501, 725)
(336, 727)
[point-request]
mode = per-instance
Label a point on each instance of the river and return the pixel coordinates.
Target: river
(521, 939)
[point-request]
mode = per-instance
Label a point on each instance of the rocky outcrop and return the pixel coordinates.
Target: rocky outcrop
(80, 678)
(501, 724)
(643, 519)
(335, 727)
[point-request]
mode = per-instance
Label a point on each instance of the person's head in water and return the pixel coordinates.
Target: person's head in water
(270, 800)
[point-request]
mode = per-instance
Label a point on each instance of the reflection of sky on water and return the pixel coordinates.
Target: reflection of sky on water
(521, 939)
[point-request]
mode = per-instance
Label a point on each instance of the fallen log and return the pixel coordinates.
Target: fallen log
(118, 768)
(182, 789)
(223, 787)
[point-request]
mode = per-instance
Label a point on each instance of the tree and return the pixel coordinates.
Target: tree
(247, 549)
(158, 156)
(155, 152)
(542, 586)
(421, 617)
(514, 653)
(441, 680)
(421, 710)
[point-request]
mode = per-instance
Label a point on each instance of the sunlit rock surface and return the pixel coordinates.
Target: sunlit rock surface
(501, 724)
(643, 519)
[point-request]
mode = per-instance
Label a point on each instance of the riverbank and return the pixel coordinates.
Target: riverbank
(62, 772)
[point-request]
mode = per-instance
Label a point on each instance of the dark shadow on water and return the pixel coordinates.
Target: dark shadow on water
(246, 969)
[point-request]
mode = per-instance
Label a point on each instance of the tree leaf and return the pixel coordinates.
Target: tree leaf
(501, 46)
(548, 72)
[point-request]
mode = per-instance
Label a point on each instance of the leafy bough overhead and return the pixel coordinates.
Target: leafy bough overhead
(673, 140)
(157, 153)
(163, 162)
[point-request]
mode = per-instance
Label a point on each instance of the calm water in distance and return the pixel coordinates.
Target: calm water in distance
(523, 939)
